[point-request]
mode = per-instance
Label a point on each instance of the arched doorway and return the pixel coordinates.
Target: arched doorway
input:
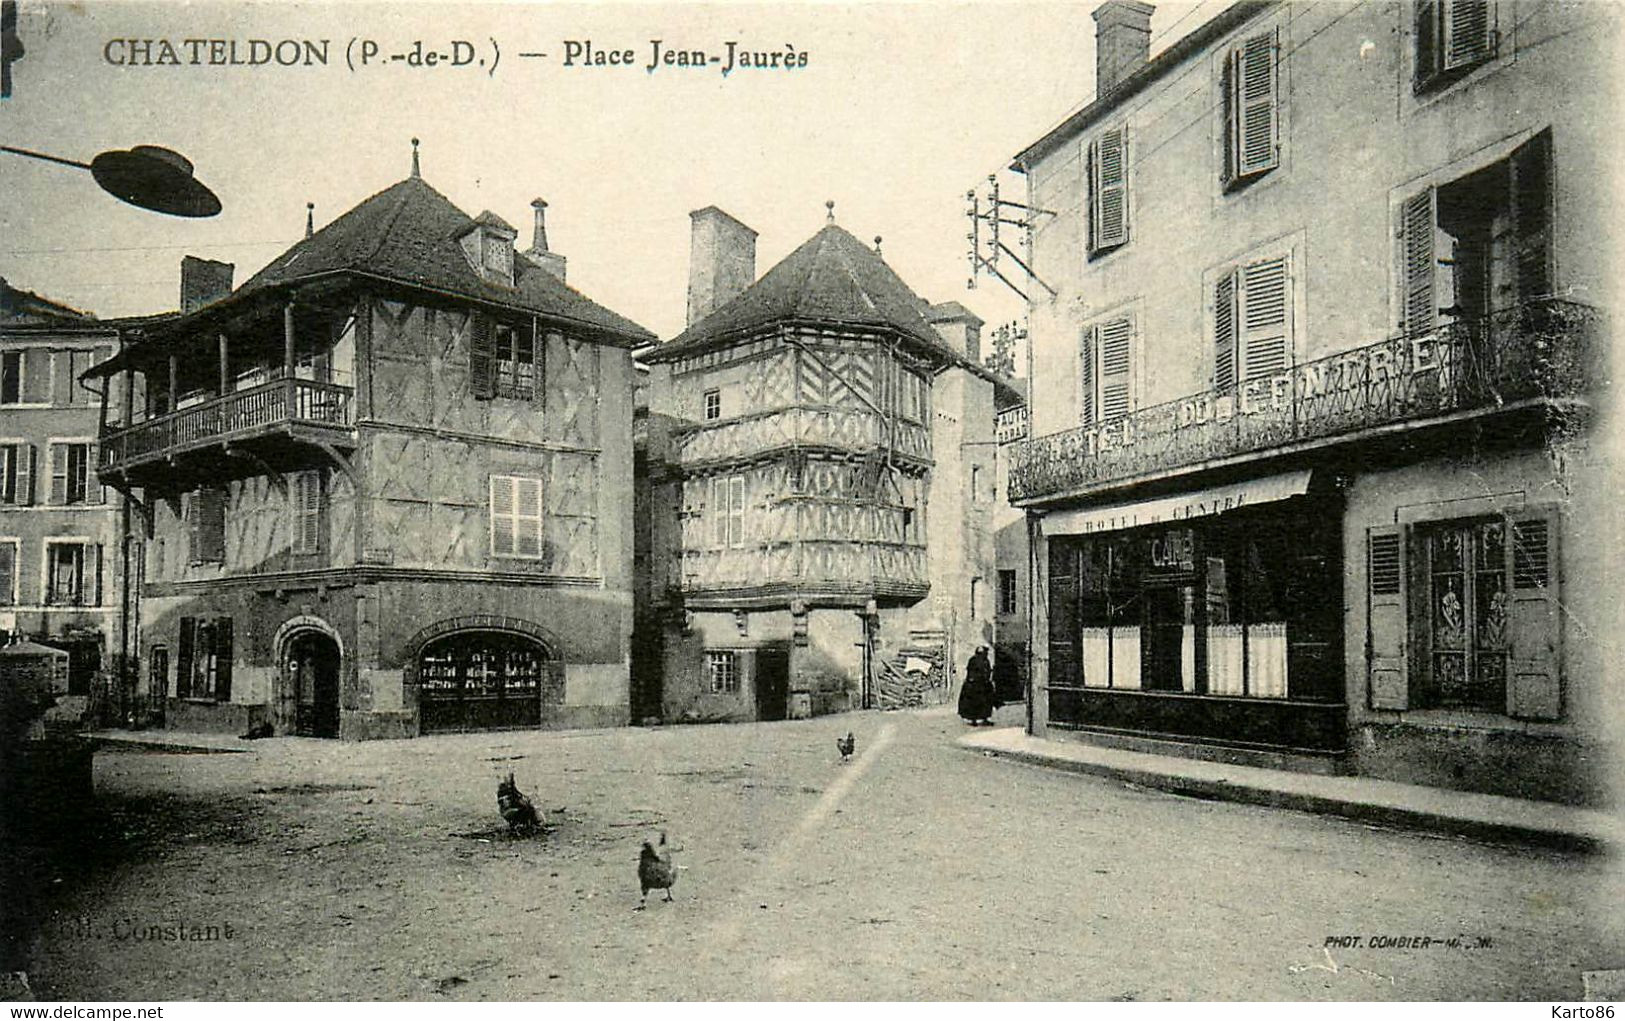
(310, 680)
(484, 680)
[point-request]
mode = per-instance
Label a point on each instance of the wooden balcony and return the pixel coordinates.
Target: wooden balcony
(273, 426)
(815, 428)
(1536, 355)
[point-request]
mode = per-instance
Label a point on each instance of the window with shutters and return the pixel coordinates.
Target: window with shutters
(72, 481)
(206, 525)
(1252, 321)
(1108, 370)
(1452, 37)
(1108, 190)
(1250, 88)
(1474, 624)
(10, 554)
(516, 516)
(11, 377)
(503, 361)
(16, 473)
(1477, 245)
(307, 508)
(73, 570)
(727, 509)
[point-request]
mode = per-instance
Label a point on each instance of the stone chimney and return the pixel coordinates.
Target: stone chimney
(959, 328)
(721, 261)
(539, 253)
(1122, 41)
(203, 282)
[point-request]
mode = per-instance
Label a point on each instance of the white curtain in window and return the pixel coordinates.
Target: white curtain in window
(1224, 663)
(1096, 657)
(1266, 659)
(1126, 658)
(1187, 659)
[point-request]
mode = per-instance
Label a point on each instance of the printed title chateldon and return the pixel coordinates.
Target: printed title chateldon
(359, 52)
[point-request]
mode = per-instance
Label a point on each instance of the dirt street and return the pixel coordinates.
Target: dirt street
(917, 870)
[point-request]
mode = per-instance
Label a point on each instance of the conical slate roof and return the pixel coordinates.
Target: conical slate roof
(832, 278)
(408, 233)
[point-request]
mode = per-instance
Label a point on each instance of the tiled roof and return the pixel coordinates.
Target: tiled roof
(833, 278)
(25, 308)
(408, 233)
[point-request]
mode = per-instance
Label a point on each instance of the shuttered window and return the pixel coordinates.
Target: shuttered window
(1419, 313)
(1386, 611)
(1108, 370)
(1108, 190)
(305, 500)
(1250, 84)
(73, 574)
(17, 474)
(727, 504)
(1452, 37)
(206, 525)
(516, 516)
(1252, 322)
(8, 571)
(481, 357)
(72, 481)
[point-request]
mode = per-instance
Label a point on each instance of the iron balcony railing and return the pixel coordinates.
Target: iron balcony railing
(1538, 350)
(232, 416)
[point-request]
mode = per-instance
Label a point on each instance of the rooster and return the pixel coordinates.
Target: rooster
(846, 745)
(655, 870)
(516, 809)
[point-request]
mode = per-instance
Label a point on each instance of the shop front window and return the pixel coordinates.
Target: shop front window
(1467, 613)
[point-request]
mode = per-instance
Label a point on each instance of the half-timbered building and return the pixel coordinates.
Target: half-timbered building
(820, 453)
(1310, 476)
(382, 485)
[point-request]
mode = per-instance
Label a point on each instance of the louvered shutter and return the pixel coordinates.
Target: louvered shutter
(528, 517)
(1534, 619)
(736, 511)
(1386, 646)
(1108, 215)
(481, 357)
(1116, 369)
(1255, 106)
(183, 658)
(96, 579)
(1416, 248)
(1468, 26)
(59, 474)
(1531, 212)
(27, 468)
(220, 637)
(1224, 332)
(1266, 318)
(307, 509)
(502, 515)
(1091, 375)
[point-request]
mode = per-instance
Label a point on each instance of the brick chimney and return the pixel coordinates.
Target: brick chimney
(721, 261)
(203, 282)
(539, 253)
(1122, 41)
(959, 328)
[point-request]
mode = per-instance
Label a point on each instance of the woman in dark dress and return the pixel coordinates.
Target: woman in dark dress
(976, 696)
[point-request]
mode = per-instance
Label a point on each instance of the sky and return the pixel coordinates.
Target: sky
(900, 109)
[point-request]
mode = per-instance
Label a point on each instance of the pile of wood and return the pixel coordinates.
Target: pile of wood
(914, 677)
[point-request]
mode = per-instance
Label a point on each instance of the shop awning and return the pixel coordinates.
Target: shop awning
(1178, 507)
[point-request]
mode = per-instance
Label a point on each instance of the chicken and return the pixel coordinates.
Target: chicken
(846, 745)
(655, 870)
(516, 809)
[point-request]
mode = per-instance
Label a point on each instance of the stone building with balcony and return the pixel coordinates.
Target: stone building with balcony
(819, 485)
(379, 483)
(60, 551)
(1311, 477)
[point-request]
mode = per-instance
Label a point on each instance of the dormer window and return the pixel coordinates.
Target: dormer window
(488, 245)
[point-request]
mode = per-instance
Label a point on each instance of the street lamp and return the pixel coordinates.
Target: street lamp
(148, 176)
